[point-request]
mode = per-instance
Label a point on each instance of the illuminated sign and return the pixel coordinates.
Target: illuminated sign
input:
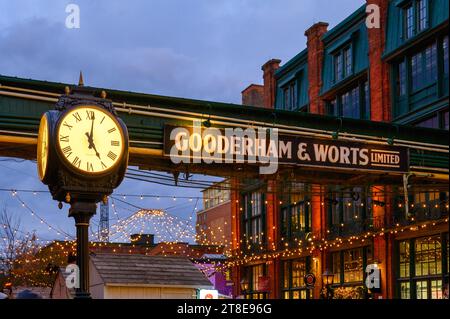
(265, 147)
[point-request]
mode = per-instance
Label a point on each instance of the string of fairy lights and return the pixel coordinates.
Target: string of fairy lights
(173, 230)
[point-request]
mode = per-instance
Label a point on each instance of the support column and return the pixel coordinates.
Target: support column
(82, 213)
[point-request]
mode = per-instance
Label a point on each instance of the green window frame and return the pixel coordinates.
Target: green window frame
(415, 18)
(422, 267)
(343, 63)
(348, 266)
(354, 102)
(253, 274)
(254, 219)
(293, 274)
(290, 95)
(295, 217)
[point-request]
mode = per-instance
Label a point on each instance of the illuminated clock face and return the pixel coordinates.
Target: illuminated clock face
(90, 139)
(42, 151)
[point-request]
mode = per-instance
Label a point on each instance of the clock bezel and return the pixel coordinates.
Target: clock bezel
(77, 170)
(43, 174)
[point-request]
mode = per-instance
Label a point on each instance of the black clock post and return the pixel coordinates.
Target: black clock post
(82, 213)
(70, 184)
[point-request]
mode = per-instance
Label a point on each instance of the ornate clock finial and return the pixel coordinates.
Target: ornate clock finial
(80, 80)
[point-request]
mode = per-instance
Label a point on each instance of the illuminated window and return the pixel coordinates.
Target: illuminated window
(254, 218)
(254, 274)
(294, 272)
(348, 265)
(296, 213)
(424, 256)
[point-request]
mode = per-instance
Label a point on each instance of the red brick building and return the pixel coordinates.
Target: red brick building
(396, 73)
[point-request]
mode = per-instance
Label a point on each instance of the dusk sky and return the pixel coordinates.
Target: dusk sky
(201, 49)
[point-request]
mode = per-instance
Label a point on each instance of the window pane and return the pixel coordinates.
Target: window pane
(445, 54)
(338, 67)
(367, 100)
(350, 104)
(428, 259)
(286, 274)
(405, 290)
(431, 64)
(409, 22)
(432, 122)
(416, 72)
(422, 14)
(336, 258)
(445, 120)
(422, 289)
(404, 259)
(401, 79)
(353, 265)
(436, 289)
(348, 61)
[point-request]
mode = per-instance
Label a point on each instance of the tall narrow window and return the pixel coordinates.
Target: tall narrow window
(431, 63)
(409, 22)
(348, 61)
(416, 71)
(290, 96)
(367, 101)
(445, 54)
(422, 15)
(401, 79)
(350, 104)
(338, 67)
(253, 218)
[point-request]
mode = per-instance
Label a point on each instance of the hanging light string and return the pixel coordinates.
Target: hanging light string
(42, 220)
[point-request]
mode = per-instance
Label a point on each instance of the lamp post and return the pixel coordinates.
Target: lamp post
(327, 281)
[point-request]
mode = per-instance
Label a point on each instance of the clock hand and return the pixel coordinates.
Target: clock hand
(89, 140)
(92, 145)
(96, 153)
(92, 127)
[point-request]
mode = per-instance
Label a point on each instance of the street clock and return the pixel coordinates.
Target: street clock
(82, 150)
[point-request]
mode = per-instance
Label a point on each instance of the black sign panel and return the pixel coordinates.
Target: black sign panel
(206, 145)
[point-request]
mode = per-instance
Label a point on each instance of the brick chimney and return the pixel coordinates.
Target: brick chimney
(315, 62)
(270, 84)
(379, 70)
(253, 95)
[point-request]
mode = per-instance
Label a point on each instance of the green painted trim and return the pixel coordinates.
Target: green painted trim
(300, 58)
(343, 26)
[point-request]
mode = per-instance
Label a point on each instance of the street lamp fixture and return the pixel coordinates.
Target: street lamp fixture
(327, 281)
(244, 285)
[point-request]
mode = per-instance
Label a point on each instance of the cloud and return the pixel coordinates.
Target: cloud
(195, 49)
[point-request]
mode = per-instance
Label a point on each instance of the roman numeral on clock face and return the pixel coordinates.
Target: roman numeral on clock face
(77, 117)
(89, 167)
(111, 130)
(104, 166)
(115, 143)
(90, 115)
(112, 156)
(63, 138)
(76, 162)
(68, 126)
(67, 151)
